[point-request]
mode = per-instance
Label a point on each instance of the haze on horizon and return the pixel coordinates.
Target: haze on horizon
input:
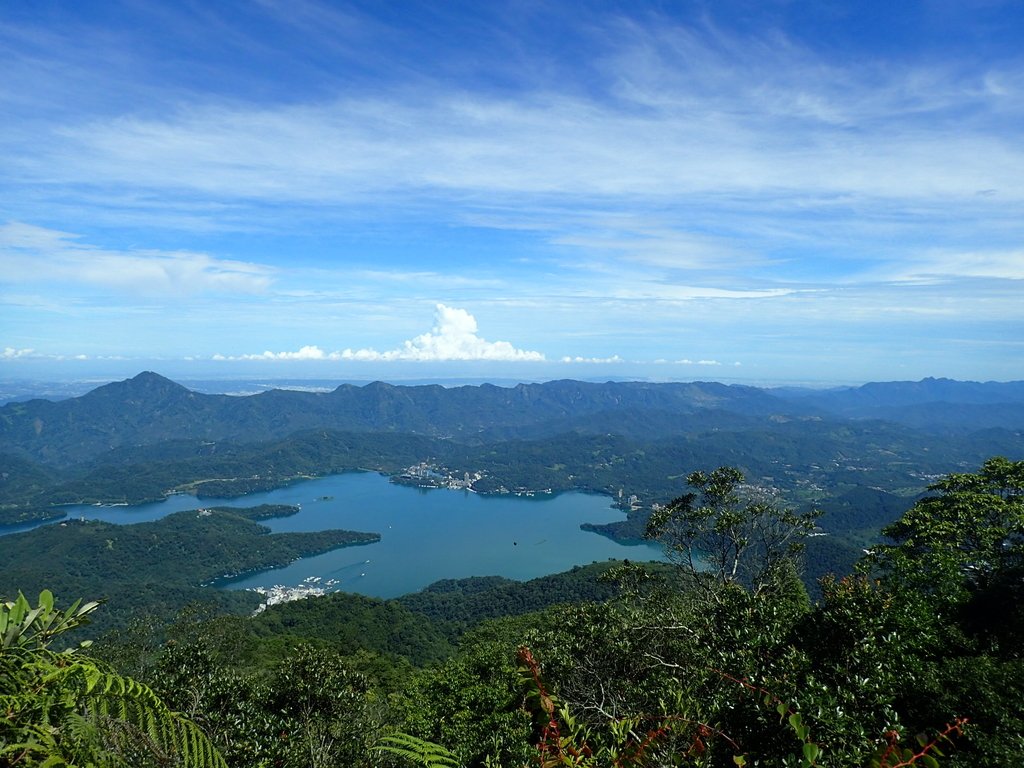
(737, 191)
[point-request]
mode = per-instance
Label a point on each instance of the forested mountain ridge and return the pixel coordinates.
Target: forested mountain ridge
(135, 440)
(932, 404)
(149, 408)
(903, 393)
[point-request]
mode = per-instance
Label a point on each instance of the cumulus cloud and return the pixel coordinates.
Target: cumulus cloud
(309, 352)
(454, 336)
(578, 359)
(10, 353)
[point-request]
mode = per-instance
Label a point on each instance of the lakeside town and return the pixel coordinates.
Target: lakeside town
(311, 586)
(426, 475)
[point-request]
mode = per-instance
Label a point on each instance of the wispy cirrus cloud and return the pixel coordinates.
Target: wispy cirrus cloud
(726, 166)
(714, 130)
(33, 254)
(541, 144)
(685, 112)
(934, 266)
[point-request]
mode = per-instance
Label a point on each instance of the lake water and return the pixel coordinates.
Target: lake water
(426, 534)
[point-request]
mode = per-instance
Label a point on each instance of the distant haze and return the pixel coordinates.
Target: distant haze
(51, 384)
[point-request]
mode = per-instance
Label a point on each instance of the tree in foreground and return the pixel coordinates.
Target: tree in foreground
(736, 667)
(729, 533)
(62, 709)
(955, 569)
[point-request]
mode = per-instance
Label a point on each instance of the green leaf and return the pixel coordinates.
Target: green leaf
(811, 752)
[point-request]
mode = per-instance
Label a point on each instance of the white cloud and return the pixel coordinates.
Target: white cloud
(752, 138)
(930, 267)
(10, 353)
(577, 359)
(645, 289)
(453, 337)
(309, 352)
(740, 124)
(32, 254)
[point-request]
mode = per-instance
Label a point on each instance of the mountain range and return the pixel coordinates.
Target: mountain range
(150, 409)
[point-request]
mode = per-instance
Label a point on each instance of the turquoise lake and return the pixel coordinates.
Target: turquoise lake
(426, 534)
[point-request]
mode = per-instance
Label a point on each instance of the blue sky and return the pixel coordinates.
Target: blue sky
(736, 190)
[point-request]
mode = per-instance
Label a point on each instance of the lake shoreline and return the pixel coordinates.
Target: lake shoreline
(427, 534)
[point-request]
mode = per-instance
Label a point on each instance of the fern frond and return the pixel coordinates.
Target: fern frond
(109, 697)
(63, 709)
(418, 751)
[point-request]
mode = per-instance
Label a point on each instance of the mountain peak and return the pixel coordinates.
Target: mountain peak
(144, 385)
(149, 378)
